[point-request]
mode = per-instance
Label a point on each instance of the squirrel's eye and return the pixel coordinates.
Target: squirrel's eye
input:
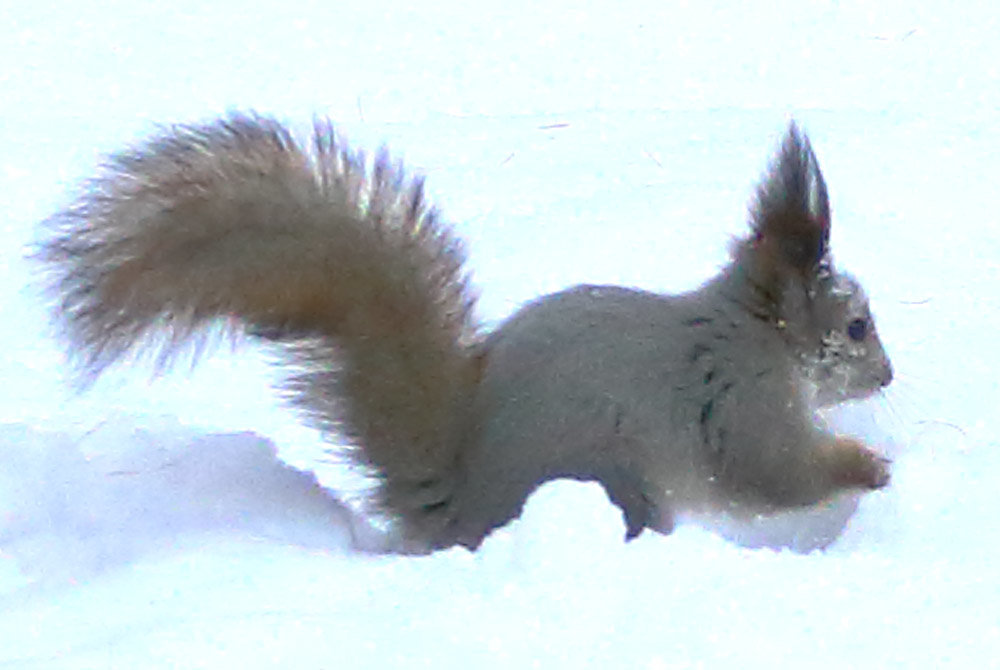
(857, 329)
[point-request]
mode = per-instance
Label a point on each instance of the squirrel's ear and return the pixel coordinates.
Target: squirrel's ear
(790, 217)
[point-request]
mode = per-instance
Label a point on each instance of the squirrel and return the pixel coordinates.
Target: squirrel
(675, 404)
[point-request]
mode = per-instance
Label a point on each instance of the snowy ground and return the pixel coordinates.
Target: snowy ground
(178, 522)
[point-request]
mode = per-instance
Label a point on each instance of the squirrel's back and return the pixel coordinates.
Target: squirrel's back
(673, 403)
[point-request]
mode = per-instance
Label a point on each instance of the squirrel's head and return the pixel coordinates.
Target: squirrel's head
(792, 283)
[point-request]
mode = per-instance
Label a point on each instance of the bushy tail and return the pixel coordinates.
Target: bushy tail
(344, 265)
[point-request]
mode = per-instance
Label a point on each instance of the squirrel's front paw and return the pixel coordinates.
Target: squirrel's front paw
(879, 474)
(857, 466)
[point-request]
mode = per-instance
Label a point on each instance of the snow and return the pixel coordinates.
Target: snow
(188, 520)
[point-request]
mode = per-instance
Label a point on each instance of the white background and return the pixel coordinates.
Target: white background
(143, 525)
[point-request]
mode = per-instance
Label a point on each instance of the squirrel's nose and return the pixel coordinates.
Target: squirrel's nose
(886, 373)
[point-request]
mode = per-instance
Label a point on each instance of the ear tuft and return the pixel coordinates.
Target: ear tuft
(788, 244)
(790, 217)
